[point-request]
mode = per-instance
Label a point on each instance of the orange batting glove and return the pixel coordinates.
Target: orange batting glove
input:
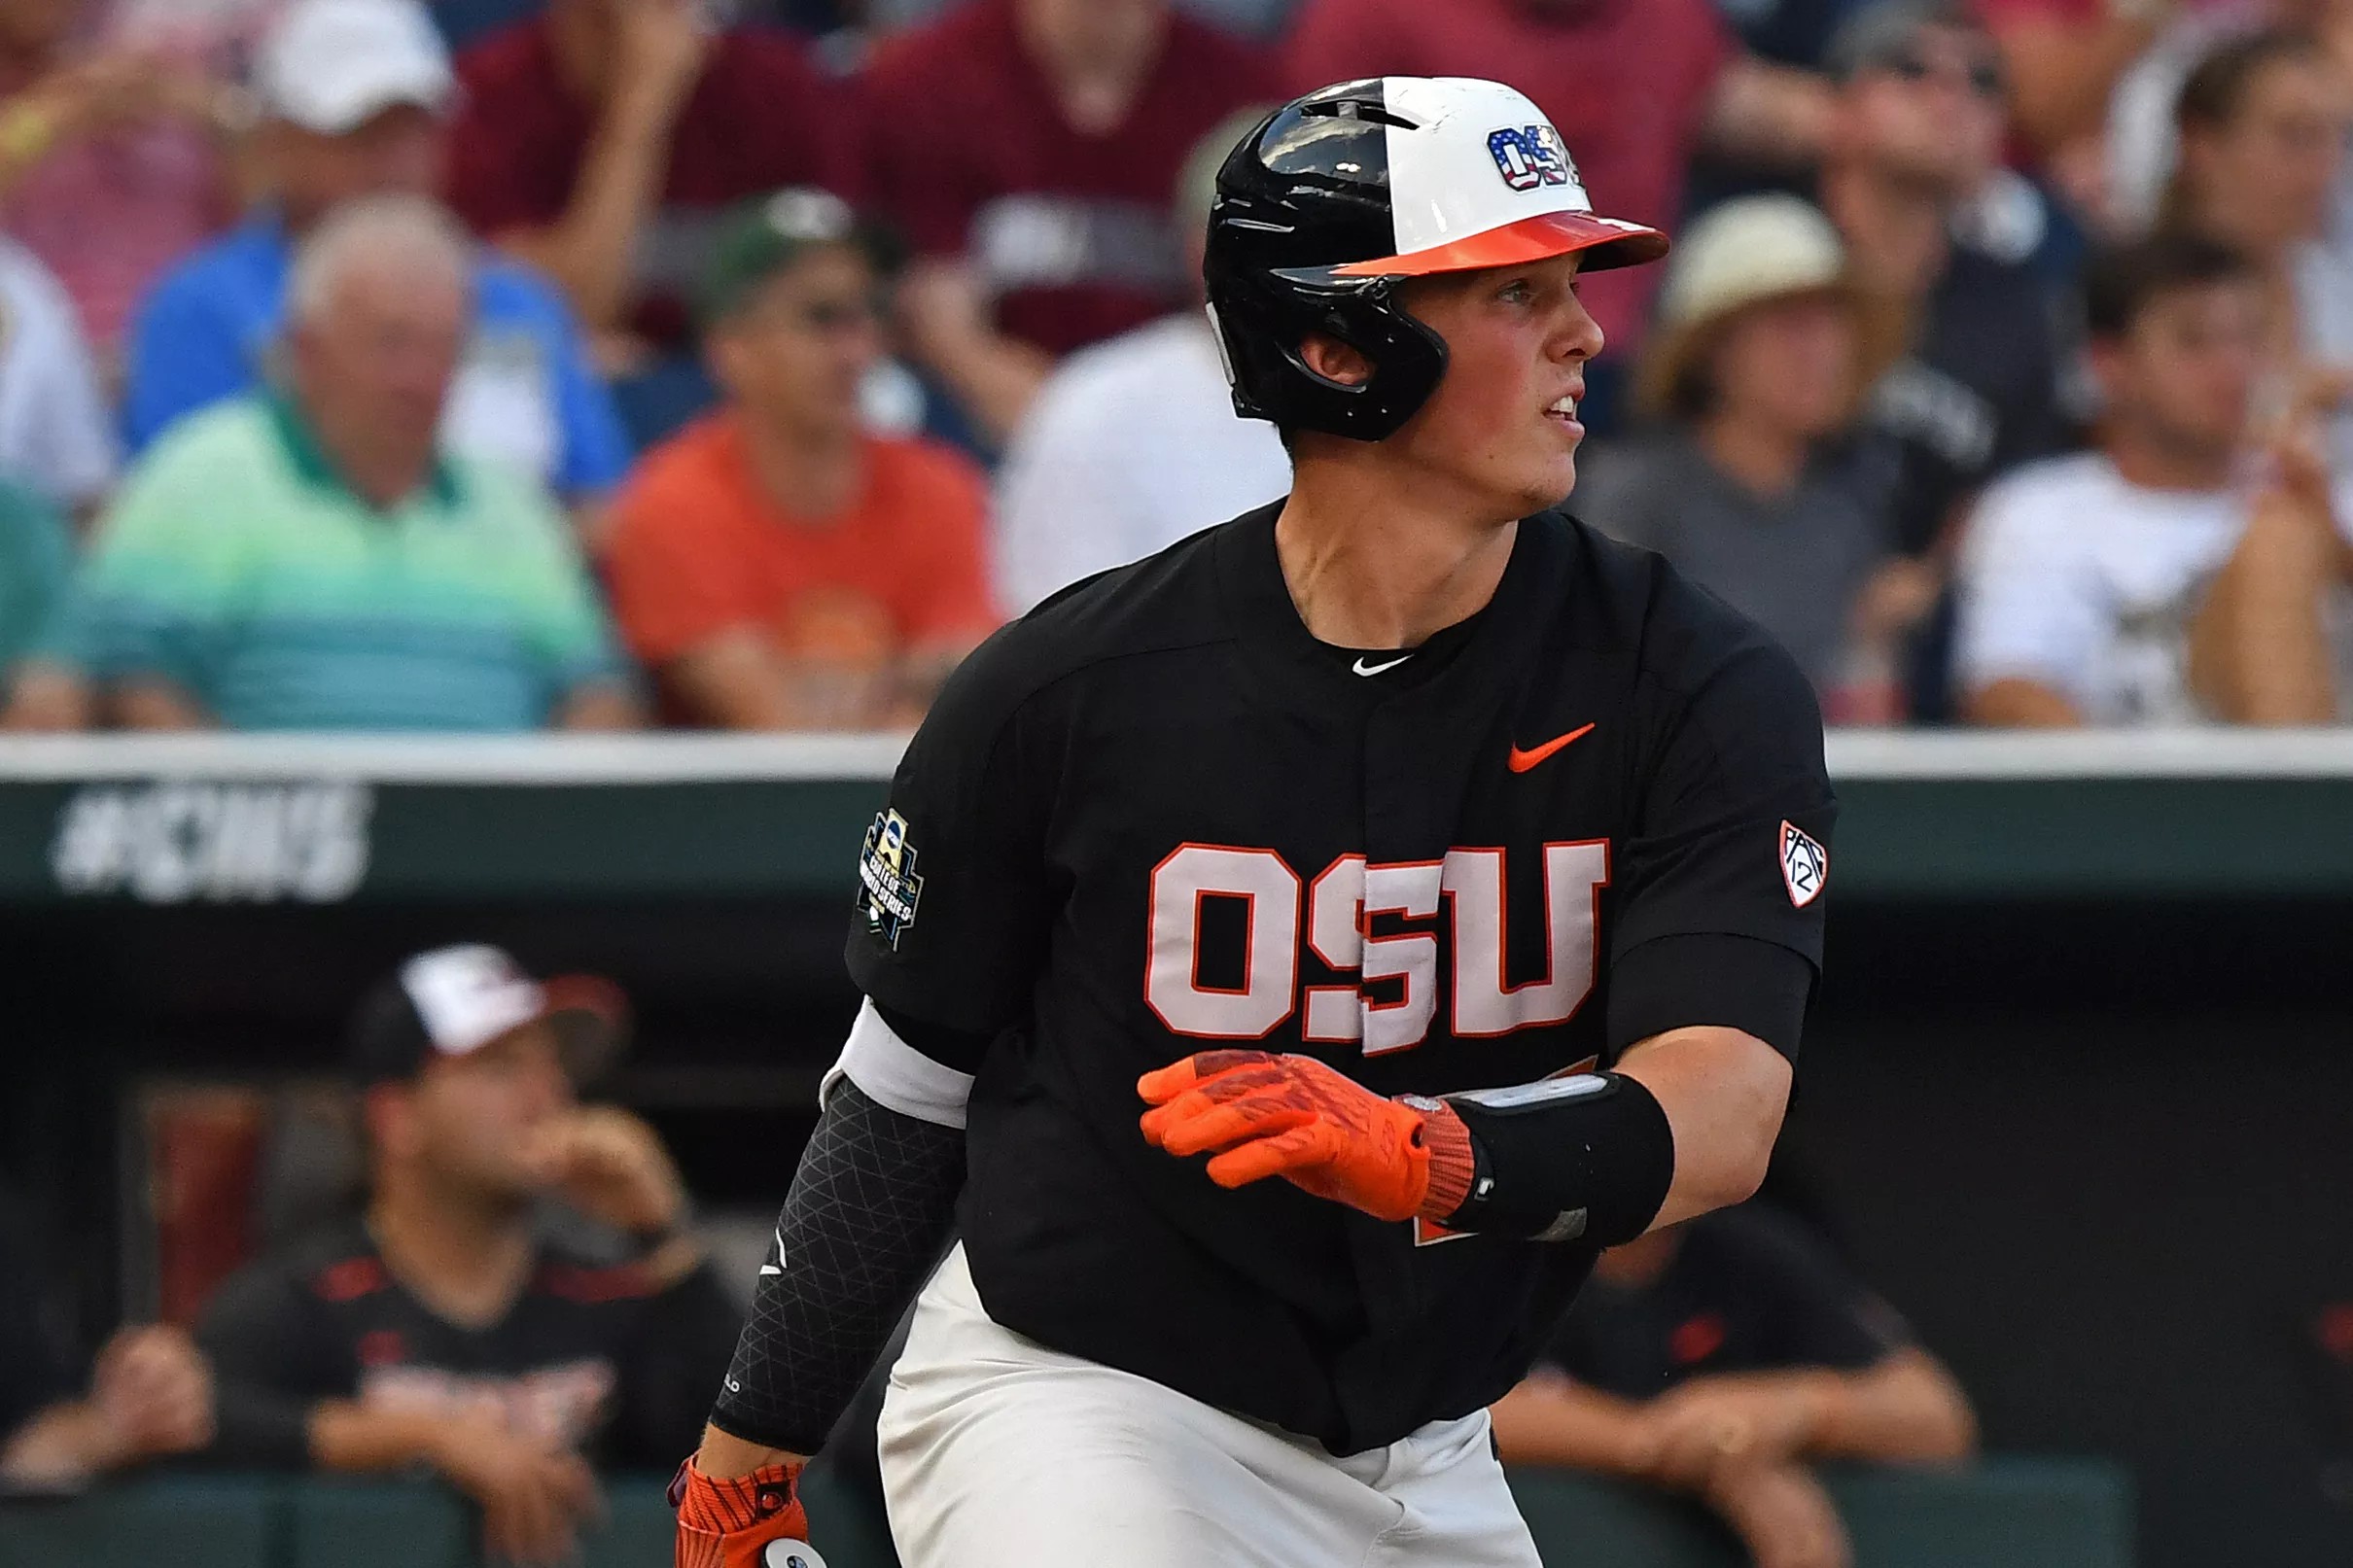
(751, 1522)
(1293, 1117)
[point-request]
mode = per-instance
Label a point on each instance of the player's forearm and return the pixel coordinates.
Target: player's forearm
(1552, 1422)
(62, 1444)
(1907, 1409)
(2259, 646)
(867, 1215)
(1724, 1093)
(725, 1456)
(355, 1439)
(1763, 112)
(590, 250)
(2062, 72)
(2017, 702)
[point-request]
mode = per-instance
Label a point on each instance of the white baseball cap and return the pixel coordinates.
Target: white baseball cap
(454, 1000)
(330, 66)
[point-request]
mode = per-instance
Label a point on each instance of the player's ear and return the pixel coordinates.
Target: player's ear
(1335, 361)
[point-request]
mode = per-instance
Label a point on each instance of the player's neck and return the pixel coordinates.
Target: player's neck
(466, 1261)
(1368, 568)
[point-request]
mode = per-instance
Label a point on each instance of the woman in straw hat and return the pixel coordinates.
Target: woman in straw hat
(1741, 480)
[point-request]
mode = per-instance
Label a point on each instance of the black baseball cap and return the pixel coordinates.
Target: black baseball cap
(452, 1001)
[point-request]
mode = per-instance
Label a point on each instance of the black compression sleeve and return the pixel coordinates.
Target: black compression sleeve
(868, 1213)
(1710, 977)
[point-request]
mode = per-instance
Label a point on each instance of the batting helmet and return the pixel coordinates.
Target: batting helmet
(1337, 196)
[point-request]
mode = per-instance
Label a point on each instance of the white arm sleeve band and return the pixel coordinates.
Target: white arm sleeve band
(895, 1076)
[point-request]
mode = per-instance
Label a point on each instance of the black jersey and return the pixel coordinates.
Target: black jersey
(595, 1357)
(1157, 817)
(1748, 1289)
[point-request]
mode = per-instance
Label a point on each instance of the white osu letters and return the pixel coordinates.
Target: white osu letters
(1342, 903)
(1172, 982)
(1574, 875)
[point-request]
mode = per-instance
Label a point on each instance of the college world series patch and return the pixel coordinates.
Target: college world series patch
(1805, 864)
(887, 887)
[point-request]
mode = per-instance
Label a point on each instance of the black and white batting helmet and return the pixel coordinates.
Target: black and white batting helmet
(1337, 196)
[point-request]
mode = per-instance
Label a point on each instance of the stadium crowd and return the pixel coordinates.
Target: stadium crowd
(500, 365)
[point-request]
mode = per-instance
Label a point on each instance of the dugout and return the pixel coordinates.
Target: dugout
(2074, 1095)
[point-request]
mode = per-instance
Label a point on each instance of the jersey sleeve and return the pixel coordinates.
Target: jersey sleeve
(1720, 921)
(272, 1359)
(954, 897)
(1824, 1316)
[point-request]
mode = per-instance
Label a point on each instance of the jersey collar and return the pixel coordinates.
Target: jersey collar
(1285, 654)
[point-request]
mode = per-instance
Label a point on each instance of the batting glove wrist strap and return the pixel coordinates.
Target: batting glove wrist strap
(730, 1523)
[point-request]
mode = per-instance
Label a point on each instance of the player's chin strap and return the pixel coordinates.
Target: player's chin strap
(1583, 1159)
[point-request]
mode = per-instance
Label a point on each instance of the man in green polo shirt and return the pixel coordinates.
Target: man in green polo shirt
(311, 559)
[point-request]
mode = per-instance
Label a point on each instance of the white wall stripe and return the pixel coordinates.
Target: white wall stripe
(681, 758)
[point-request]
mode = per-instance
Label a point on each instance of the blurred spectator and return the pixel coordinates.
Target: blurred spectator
(1135, 443)
(2178, 571)
(1635, 86)
(1042, 218)
(776, 564)
(57, 431)
(311, 559)
(218, 36)
(2066, 59)
(1721, 1359)
(1959, 344)
(110, 168)
(444, 1327)
(354, 93)
(2263, 126)
(36, 566)
(1742, 485)
(601, 139)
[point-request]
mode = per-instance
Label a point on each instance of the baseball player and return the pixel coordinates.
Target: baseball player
(1290, 958)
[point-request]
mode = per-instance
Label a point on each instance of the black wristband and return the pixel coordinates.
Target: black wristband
(1584, 1159)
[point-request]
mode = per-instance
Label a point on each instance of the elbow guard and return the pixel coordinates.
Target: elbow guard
(1584, 1159)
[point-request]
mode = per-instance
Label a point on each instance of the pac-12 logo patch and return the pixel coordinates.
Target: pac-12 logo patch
(1805, 864)
(1530, 156)
(887, 887)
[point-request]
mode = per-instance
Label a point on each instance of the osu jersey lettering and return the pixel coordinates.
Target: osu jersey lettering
(1157, 813)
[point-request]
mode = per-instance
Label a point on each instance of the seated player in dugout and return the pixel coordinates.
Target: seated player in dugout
(456, 1322)
(1723, 1358)
(1291, 958)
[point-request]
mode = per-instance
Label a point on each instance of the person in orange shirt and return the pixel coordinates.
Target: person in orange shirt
(777, 565)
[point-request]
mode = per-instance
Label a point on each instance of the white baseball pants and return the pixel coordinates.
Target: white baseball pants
(997, 1452)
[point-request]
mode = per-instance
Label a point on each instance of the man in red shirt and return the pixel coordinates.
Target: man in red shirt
(1634, 85)
(600, 139)
(1027, 147)
(776, 565)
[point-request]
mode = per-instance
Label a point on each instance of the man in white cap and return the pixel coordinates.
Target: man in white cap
(355, 96)
(1739, 482)
(441, 1326)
